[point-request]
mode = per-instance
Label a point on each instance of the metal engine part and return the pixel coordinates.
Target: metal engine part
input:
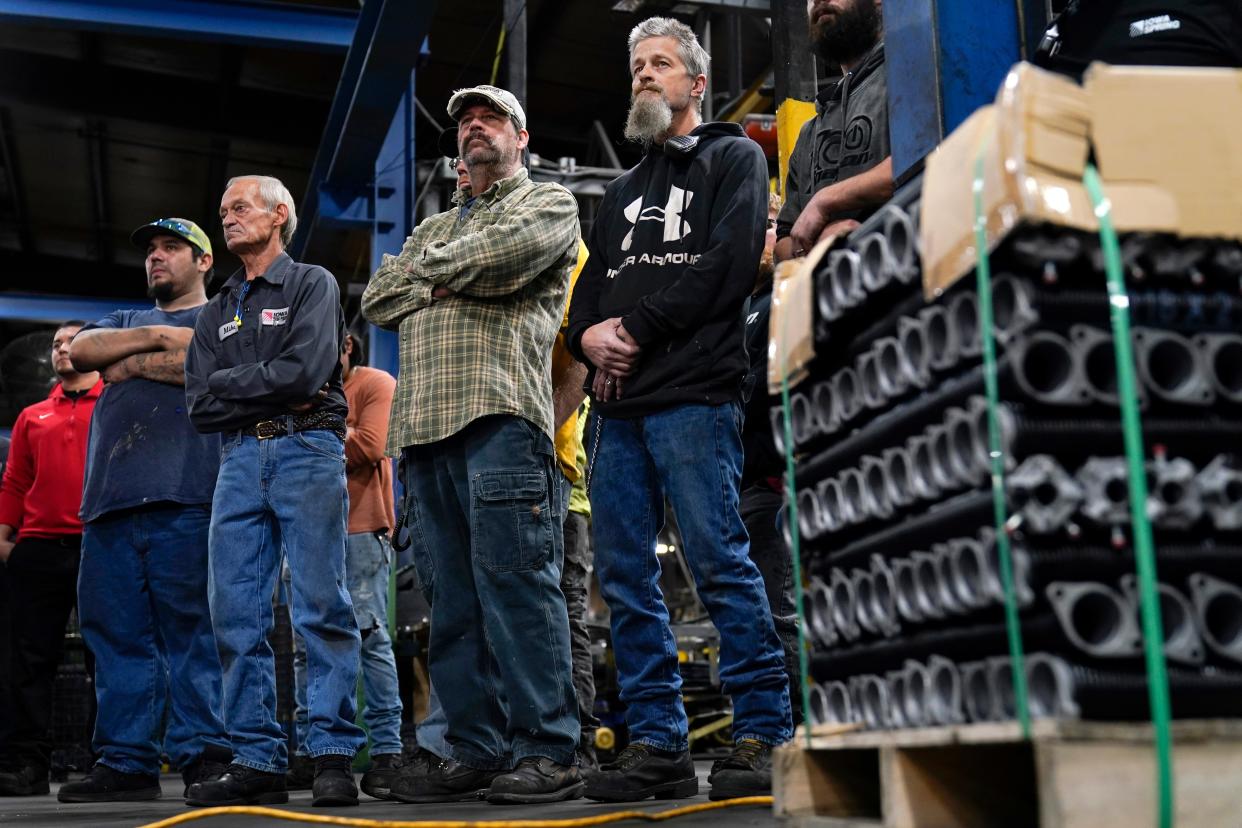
(1105, 485)
(878, 267)
(898, 480)
(872, 387)
(1013, 310)
(964, 316)
(922, 479)
(903, 243)
(1221, 356)
(1050, 687)
(1173, 499)
(977, 697)
(822, 628)
(1095, 618)
(876, 480)
(845, 277)
(844, 606)
(943, 349)
(893, 379)
(915, 359)
(884, 597)
(1218, 610)
(1043, 493)
(1171, 368)
(944, 692)
(1046, 370)
(1182, 642)
(848, 394)
(1220, 486)
(824, 406)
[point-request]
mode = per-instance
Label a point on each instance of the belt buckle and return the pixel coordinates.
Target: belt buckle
(266, 429)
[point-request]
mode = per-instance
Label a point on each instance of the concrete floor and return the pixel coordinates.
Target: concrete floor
(47, 811)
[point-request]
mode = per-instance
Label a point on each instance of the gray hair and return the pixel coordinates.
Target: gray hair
(273, 192)
(694, 56)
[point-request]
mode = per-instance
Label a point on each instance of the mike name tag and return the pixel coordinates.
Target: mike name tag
(227, 330)
(274, 316)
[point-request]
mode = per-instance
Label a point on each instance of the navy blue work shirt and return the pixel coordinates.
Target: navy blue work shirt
(260, 349)
(142, 449)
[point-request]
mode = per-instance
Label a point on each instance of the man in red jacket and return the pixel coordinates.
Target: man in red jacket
(40, 544)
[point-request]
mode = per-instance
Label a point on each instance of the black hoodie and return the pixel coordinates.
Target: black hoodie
(674, 251)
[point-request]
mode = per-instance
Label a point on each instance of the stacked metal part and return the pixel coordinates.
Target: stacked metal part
(904, 598)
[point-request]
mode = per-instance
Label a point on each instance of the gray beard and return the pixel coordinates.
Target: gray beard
(649, 119)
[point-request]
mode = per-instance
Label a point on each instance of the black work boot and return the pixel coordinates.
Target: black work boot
(440, 780)
(206, 766)
(641, 771)
(334, 781)
(23, 780)
(536, 779)
(378, 780)
(103, 784)
(239, 785)
(747, 771)
(301, 773)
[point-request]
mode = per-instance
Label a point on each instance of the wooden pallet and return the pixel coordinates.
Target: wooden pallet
(1069, 775)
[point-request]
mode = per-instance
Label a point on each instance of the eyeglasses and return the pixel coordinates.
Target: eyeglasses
(453, 162)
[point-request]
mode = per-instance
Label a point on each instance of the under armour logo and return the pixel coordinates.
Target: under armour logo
(675, 227)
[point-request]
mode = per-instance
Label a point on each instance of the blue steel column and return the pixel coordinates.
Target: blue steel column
(947, 58)
(394, 212)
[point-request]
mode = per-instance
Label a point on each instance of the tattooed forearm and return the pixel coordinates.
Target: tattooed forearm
(161, 366)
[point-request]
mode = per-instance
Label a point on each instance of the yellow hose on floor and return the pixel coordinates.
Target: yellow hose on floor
(580, 822)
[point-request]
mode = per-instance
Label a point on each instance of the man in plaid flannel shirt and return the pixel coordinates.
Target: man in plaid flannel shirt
(477, 294)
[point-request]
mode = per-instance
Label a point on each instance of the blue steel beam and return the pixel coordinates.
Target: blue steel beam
(32, 308)
(377, 73)
(946, 58)
(243, 21)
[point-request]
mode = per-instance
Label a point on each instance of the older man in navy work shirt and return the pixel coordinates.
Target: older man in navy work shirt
(264, 368)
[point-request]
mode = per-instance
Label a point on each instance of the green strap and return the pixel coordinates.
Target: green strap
(983, 278)
(1144, 548)
(791, 498)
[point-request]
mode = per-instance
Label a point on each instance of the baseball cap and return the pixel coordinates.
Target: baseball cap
(501, 100)
(182, 228)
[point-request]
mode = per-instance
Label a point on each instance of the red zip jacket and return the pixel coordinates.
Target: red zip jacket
(42, 489)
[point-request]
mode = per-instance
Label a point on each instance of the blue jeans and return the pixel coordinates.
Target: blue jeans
(367, 560)
(483, 512)
(692, 454)
(142, 602)
(285, 492)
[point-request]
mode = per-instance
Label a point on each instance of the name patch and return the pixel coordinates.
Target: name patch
(227, 330)
(274, 316)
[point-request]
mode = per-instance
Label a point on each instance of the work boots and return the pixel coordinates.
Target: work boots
(209, 764)
(641, 771)
(747, 771)
(440, 780)
(103, 784)
(378, 780)
(536, 779)
(23, 780)
(334, 781)
(238, 785)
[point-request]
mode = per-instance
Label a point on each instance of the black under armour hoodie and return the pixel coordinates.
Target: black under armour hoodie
(674, 251)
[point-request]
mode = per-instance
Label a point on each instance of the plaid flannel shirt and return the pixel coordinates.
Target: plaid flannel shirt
(485, 350)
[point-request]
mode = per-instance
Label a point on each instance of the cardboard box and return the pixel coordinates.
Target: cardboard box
(1169, 144)
(1176, 129)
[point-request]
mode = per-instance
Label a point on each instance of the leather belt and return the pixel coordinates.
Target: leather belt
(266, 429)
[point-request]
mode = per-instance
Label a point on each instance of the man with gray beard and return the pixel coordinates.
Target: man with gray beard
(658, 318)
(841, 168)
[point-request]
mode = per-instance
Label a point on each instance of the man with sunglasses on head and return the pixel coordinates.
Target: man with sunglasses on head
(146, 506)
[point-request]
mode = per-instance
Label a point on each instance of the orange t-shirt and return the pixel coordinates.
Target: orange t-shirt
(368, 472)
